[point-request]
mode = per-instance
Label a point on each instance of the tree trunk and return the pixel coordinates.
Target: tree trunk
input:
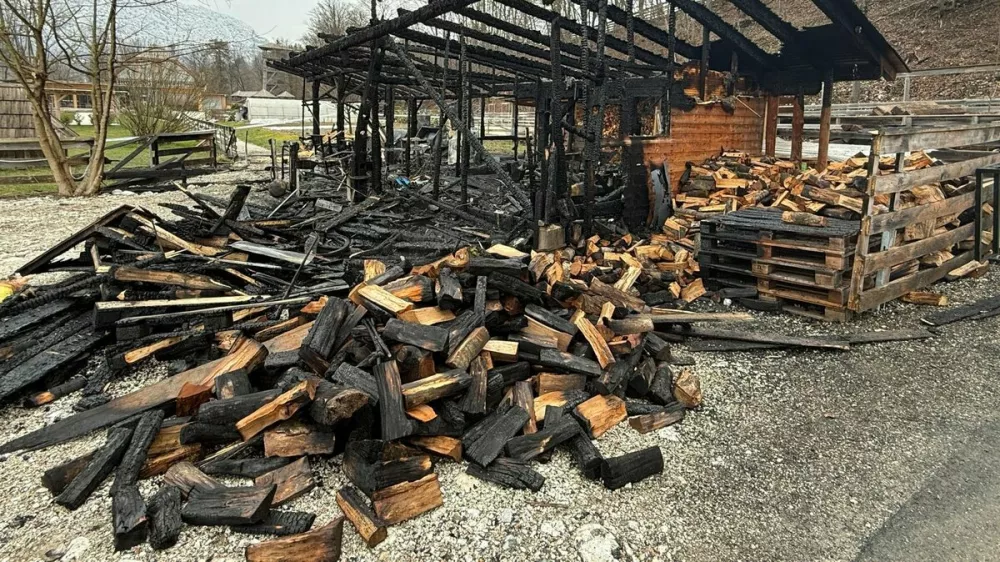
(48, 140)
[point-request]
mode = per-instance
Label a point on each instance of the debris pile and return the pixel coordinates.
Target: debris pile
(293, 337)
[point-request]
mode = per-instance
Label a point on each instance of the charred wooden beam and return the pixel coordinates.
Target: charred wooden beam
(645, 423)
(279, 523)
(99, 467)
(293, 439)
(489, 445)
(245, 468)
(186, 477)
(129, 521)
(431, 338)
(231, 410)
(509, 473)
(395, 424)
(292, 480)
(133, 459)
(280, 409)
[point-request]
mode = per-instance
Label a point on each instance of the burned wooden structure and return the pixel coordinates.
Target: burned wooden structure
(672, 101)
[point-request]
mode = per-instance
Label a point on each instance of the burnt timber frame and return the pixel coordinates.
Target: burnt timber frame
(523, 63)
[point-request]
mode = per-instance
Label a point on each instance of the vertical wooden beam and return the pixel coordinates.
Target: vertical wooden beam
(734, 73)
(466, 115)
(824, 124)
(557, 162)
(315, 108)
(341, 98)
(514, 117)
(706, 47)
(771, 125)
(390, 125)
(411, 130)
(376, 169)
(798, 123)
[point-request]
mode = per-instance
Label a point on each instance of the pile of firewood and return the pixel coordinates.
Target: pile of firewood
(292, 350)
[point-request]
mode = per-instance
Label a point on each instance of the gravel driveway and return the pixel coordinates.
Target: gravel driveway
(796, 455)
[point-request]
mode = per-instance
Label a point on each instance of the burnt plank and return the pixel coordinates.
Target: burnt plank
(135, 457)
(128, 515)
(395, 423)
(99, 467)
(279, 523)
(164, 517)
(228, 506)
(509, 473)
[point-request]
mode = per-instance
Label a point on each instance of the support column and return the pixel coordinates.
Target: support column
(315, 109)
(466, 114)
(341, 97)
(706, 46)
(411, 131)
(798, 123)
(824, 124)
(771, 125)
(390, 126)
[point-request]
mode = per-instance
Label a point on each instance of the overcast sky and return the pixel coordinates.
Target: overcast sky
(271, 18)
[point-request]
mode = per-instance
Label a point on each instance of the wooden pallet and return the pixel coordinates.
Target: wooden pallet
(820, 278)
(824, 304)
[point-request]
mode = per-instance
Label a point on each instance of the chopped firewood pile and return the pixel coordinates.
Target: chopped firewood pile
(291, 348)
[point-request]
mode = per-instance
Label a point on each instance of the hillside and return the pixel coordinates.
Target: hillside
(926, 33)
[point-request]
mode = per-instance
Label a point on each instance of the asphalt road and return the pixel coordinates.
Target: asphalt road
(955, 516)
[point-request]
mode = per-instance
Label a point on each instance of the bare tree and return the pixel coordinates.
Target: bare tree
(155, 92)
(333, 17)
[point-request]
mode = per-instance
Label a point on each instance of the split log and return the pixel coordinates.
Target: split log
(228, 506)
(657, 347)
(674, 413)
(502, 350)
(128, 514)
(601, 413)
(631, 325)
(448, 290)
(427, 316)
(407, 500)
(631, 467)
(687, 389)
(186, 477)
(232, 384)
(318, 345)
(552, 382)
(159, 464)
(458, 330)
(661, 390)
(440, 445)
(355, 507)
(527, 447)
(435, 387)
(370, 466)
(586, 456)
(568, 362)
(280, 409)
(536, 328)
(292, 480)
(524, 398)
(245, 468)
(334, 404)
(517, 288)
(431, 338)
(561, 399)
(925, 298)
(488, 266)
(392, 411)
(596, 341)
(550, 319)
(320, 545)
(415, 288)
(474, 400)
(383, 299)
(99, 467)
(520, 371)
(209, 433)
(279, 523)
(488, 446)
(191, 397)
(294, 439)
(468, 349)
(804, 219)
(509, 473)
(353, 377)
(164, 517)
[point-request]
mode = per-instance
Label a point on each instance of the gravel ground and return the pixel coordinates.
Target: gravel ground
(795, 455)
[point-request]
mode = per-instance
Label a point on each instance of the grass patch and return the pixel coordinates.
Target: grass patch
(27, 190)
(259, 136)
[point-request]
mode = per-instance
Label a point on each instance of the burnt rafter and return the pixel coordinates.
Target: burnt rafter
(711, 20)
(645, 29)
(770, 21)
(852, 20)
(538, 12)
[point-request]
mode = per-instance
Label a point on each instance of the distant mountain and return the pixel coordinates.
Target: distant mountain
(181, 23)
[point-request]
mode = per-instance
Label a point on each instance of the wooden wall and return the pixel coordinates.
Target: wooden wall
(15, 113)
(705, 131)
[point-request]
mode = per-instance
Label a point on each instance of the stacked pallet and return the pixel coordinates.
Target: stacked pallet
(805, 268)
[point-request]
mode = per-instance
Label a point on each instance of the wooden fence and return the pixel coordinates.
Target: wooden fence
(872, 283)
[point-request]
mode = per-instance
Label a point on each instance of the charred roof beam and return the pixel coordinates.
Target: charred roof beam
(720, 27)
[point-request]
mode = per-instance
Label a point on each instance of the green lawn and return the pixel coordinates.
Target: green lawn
(260, 135)
(27, 186)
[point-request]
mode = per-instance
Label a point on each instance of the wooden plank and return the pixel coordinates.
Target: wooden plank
(946, 137)
(899, 219)
(895, 289)
(888, 258)
(151, 396)
(894, 183)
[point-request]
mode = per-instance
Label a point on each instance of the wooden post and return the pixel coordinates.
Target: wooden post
(514, 117)
(315, 108)
(411, 130)
(390, 125)
(341, 97)
(771, 125)
(798, 123)
(823, 157)
(706, 45)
